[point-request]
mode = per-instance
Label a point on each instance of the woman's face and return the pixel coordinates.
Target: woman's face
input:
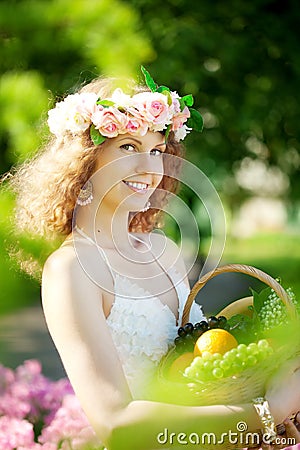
(128, 170)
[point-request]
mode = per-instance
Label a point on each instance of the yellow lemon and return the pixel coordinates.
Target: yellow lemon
(215, 340)
(179, 365)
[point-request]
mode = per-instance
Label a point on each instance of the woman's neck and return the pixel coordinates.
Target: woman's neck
(107, 227)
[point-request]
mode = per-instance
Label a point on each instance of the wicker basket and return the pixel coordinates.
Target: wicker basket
(244, 386)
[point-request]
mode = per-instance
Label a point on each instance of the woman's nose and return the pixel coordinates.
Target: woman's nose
(148, 163)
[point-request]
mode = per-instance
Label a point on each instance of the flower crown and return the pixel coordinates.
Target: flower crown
(158, 110)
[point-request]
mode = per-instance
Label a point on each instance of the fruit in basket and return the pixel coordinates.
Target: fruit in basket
(273, 312)
(210, 367)
(215, 340)
(268, 314)
(189, 333)
(179, 365)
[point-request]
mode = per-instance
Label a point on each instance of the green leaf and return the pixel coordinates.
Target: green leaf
(182, 104)
(162, 89)
(167, 132)
(149, 80)
(96, 137)
(168, 95)
(195, 121)
(188, 100)
(259, 298)
(241, 327)
(105, 103)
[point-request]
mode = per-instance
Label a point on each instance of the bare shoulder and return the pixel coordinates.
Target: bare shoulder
(67, 278)
(70, 262)
(62, 259)
(62, 264)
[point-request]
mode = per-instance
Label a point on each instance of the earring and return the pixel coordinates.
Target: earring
(86, 194)
(147, 206)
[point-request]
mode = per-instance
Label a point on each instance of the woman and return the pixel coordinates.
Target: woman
(113, 293)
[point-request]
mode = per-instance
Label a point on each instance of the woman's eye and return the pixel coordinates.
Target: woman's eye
(128, 147)
(156, 152)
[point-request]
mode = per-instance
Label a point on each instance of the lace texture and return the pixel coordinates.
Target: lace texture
(144, 328)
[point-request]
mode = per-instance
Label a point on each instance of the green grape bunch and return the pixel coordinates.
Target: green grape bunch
(268, 313)
(210, 367)
(273, 312)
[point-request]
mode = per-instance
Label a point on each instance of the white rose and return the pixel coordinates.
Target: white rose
(181, 133)
(69, 115)
(121, 99)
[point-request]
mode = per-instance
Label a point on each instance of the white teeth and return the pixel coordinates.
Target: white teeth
(137, 185)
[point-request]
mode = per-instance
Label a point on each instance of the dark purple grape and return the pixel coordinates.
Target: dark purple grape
(181, 332)
(222, 321)
(189, 342)
(188, 328)
(179, 342)
(197, 326)
(212, 322)
(204, 325)
(196, 333)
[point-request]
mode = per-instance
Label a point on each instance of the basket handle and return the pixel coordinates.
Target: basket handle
(241, 268)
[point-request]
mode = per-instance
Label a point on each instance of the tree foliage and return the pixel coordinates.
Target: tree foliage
(241, 62)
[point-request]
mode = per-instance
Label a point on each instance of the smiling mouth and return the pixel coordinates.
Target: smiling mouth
(137, 187)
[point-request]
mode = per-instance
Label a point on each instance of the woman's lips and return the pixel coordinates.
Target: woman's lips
(137, 186)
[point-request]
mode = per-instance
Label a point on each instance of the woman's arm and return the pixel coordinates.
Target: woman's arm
(76, 321)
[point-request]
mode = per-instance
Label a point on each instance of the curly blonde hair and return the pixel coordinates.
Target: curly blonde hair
(48, 185)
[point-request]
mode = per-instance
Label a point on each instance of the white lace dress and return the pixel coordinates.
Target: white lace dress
(144, 329)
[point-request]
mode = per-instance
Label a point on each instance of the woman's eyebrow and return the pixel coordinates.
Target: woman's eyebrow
(163, 144)
(131, 138)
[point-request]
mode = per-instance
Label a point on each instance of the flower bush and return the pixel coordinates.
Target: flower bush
(38, 413)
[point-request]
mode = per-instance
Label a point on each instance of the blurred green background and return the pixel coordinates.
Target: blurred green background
(240, 60)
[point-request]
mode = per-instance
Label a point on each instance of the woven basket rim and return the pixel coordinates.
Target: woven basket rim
(243, 269)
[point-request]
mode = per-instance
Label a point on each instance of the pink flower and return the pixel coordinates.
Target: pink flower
(51, 405)
(110, 122)
(12, 406)
(30, 370)
(180, 118)
(154, 107)
(35, 446)
(15, 433)
(7, 377)
(175, 102)
(70, 425)
(136, 123)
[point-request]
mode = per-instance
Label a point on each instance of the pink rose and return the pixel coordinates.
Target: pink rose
(110, 122)
(180, 118)
(154, 107)
(175, 102)
(136, 123)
